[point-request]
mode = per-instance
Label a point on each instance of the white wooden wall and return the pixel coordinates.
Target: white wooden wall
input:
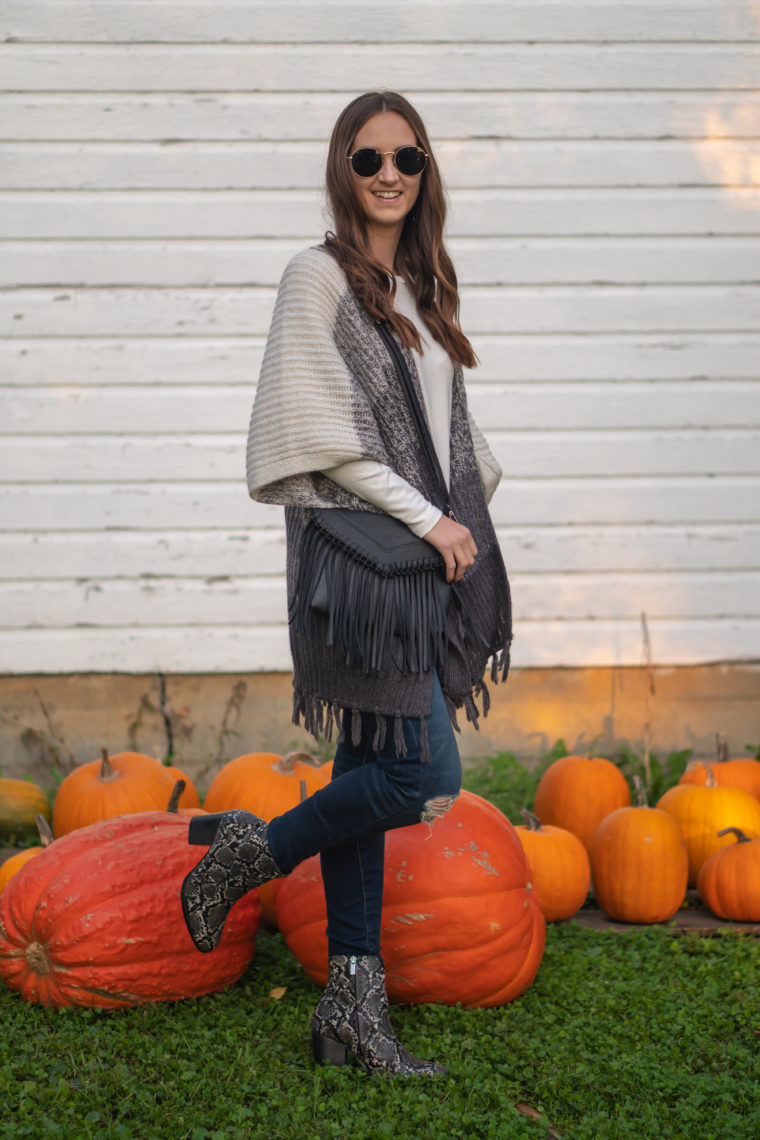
(160, 161)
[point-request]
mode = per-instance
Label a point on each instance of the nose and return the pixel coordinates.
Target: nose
(388, 172)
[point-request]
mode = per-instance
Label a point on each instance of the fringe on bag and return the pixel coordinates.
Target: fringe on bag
(367, 610)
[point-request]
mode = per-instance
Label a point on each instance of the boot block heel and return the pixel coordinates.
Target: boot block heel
(203, 829)
(328, 1050)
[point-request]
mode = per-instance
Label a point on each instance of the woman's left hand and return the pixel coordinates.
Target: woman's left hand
(456, 544)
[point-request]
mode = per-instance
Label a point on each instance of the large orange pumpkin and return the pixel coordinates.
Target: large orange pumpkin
(267, 785)
(460, 923)
(742, 772)
(560, 870)
(639, 864)
(96, 919)
(702, 812)
(729, 881)
(577, 792)
(115, 785)
(20, 802)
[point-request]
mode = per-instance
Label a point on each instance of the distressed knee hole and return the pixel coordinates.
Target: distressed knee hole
(435, 808)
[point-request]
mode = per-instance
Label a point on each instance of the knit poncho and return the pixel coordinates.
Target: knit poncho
(328, 393)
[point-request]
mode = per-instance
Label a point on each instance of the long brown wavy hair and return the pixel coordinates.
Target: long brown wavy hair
(421, 257)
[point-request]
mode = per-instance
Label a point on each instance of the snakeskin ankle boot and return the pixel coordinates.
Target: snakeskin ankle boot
(238, 860)
(353, 1016)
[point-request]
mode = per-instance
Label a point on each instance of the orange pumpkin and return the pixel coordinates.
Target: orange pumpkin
(117, 785)
(267, 785)
(460, 921)
(702, 812)
(639, 864)
(742, 772)
(176, 798)
(729, 881)
(189, 797)
(96, 919)
(559, 864)
(577, 792)
(13, 865)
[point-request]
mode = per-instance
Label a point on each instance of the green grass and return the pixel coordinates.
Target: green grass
(644, 1034)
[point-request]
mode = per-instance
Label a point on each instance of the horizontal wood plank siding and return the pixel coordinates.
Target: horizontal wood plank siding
(159, 164)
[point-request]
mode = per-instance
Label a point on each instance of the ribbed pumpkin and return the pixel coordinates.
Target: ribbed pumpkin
(729, 881)
(559, 865)
(460, 920)
(742, 772)
(20, 802)
(11, 866)
(267, 785)
(117, 785)
(96, 920)
(639, 864)
(577, 792)
(702, 812)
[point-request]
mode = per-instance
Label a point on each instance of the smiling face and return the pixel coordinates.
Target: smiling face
(386, 198)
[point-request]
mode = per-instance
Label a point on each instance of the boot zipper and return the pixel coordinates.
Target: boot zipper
(352, 964)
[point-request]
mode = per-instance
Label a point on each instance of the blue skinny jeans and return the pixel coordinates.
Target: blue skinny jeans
(370, 793)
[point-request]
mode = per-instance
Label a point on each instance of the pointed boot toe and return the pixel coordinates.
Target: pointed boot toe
(237, 861)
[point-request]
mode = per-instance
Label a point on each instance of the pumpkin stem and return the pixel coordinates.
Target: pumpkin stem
(287, 763)
(107, 770)
(532, 822)
(710, 781)
(303, 794)
(44, 829)
(740, 836)
(722, 746)
(641, 792)
(174, 798)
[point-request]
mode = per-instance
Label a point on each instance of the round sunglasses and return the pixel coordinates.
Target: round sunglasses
(408, 160)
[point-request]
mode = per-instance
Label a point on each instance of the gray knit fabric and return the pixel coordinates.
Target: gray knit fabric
(328, 393)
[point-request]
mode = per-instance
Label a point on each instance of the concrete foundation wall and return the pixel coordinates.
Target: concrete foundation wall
(49, 723)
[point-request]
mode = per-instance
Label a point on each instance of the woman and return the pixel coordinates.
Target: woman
(329, 428)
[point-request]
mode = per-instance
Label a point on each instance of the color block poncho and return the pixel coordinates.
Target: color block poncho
(328, 393)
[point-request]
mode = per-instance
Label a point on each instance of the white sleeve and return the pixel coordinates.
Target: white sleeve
(488, 467)
(380, 485)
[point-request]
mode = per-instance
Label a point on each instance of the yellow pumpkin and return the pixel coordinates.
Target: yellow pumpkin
(20, 802)
(703, 811)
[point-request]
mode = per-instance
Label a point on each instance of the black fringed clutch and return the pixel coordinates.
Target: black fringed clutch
(373, 580)
(371, 577)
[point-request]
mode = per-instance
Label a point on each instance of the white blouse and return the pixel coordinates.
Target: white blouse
(379, 484)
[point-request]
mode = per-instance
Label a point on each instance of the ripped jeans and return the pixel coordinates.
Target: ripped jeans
(370, 793)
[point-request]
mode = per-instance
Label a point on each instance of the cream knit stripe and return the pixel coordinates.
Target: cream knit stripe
(304, 414)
